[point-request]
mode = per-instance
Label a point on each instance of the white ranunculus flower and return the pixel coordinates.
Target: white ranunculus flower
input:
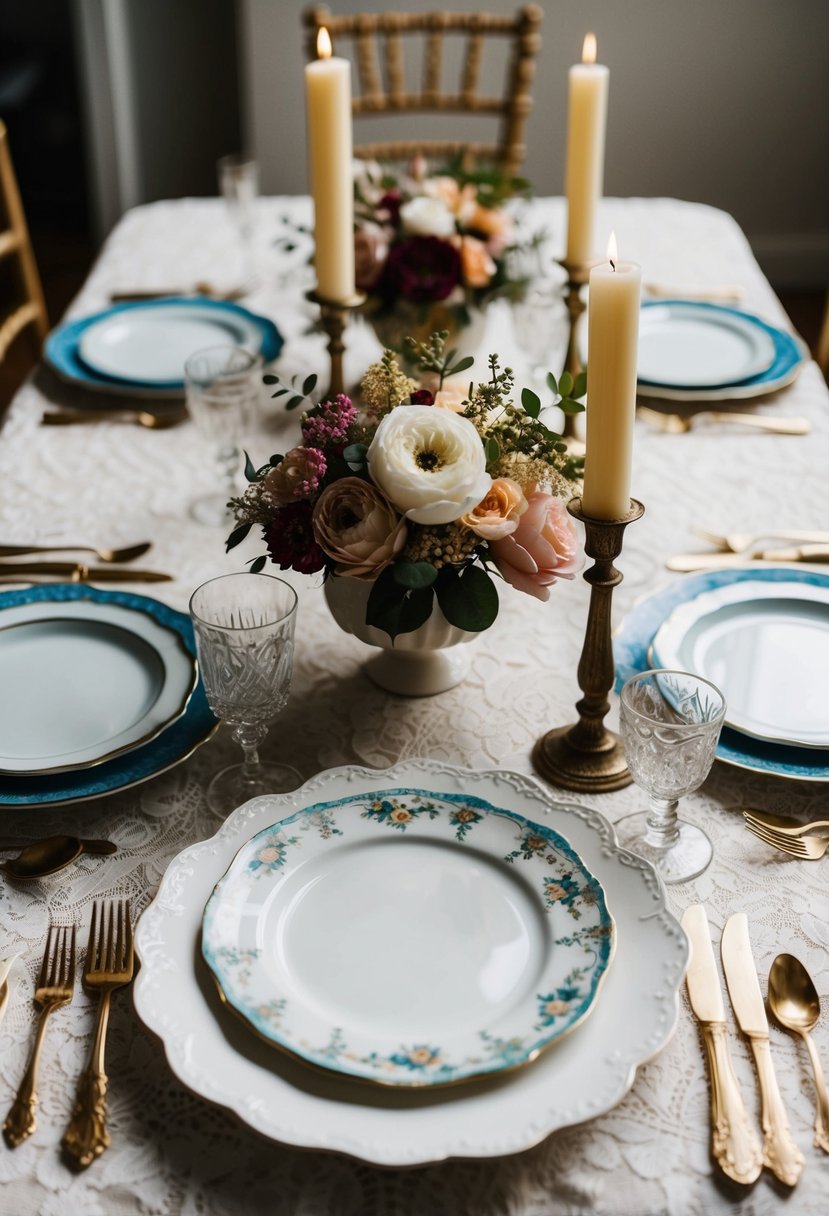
(423, 216)
(430, 463)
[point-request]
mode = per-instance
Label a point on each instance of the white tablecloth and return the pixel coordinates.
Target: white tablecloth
(108, 483)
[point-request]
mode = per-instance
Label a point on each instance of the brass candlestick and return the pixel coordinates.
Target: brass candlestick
(334, 317)
(578, 274)
(585, 755)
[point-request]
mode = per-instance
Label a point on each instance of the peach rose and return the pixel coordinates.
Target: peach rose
(357, 527)
(490, 223)
(477, 267)
(544, 547)
(453, 396)
(497, 514)
(444, 188)
(297, 476)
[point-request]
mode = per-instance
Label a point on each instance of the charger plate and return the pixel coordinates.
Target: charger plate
(634, 638)
(83, 681)
(491, 942)
(766, 646)
(689, 344)
(583, 1075)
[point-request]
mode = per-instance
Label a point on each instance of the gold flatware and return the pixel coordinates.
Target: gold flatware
(734, 1142)
(110, 963)
(794, 1001)
(54, 988)
(198, 289)
(126, 554)
(738, 542)
(804, 847)
(44, 857)
(725, 292)
(780, 1153)
(161, 421)
(688, 563)
(77, 572)
(786, 827)
(678, 424)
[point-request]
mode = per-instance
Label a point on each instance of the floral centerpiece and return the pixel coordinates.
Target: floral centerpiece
(426, 491)
(430, 246)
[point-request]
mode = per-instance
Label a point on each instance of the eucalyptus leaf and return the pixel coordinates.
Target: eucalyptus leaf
(469, 599)
(237, 536)
(270, 379)
(414, 575)
(280, 392)
(258, 563)
(565, 384)
(396, 609)
(276, 459)
(552, 383)
(461, 365)
(250, 469)
(569, 406)
(492, 450)
(293, 402)
(579, 385)
(309, 383)
(531, 402)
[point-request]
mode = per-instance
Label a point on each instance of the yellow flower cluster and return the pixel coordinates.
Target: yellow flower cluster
(440, 545)
(384, 386)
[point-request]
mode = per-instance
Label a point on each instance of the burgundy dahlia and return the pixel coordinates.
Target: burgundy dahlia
(290, 539)
(422, 268)
(422, 396)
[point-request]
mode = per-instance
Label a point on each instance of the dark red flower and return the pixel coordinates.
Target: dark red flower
(290, 539)
(391, 202)
(423, 268)
(422, 396)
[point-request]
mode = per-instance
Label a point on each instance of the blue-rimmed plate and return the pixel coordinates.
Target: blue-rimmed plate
(156, 336)
(409, 937)
(788, 356)
(175, 743)
(636, 634)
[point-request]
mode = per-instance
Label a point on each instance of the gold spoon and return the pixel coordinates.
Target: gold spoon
(51, 854)
(153, 422)
(126, 554)
(795, 1003)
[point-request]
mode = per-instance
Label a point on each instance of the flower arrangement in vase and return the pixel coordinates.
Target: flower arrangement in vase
(431, 246)
(412, 503)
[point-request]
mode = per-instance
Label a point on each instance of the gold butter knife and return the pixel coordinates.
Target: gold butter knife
(780, 1153)
(734, 1142)
(77, 572)
(689, 563)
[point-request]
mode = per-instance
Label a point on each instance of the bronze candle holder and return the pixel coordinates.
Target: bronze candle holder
(578, 274)
(585, 755)
(334, 317)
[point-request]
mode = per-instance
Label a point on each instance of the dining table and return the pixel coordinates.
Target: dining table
(111, 482)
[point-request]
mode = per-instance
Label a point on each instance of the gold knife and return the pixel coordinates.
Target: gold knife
(78, 572)
(780, 1153)
(688, 563)
(734, 1142)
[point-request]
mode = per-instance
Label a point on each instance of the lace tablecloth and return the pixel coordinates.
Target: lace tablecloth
(110, 482)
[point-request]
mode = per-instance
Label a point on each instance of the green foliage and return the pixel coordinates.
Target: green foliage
(397, 609)
(467, 597)
(432, 356)
(237, 536)
(296, 392)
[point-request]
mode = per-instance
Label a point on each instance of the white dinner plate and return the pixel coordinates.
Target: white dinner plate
(83, 681)
(151, 345)
(692, 345)
(507, 937)
(583, 1075)
(766, 646)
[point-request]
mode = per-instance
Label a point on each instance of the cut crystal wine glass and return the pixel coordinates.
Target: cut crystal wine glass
(670, 724)
(244, 625)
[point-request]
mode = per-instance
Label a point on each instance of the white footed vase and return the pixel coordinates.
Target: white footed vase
(417, 664)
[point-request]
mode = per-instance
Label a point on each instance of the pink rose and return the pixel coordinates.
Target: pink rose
(357, 527)
(498, 514)
(544, 547)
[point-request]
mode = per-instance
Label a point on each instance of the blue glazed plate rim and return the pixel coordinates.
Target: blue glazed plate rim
(173, 745)
(638, 629)
(61, 353)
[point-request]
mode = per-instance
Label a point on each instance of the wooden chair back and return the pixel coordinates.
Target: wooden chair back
(15, 244)
(382, 86)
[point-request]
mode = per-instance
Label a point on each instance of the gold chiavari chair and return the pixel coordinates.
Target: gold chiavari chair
(377, 41)
(30, 311)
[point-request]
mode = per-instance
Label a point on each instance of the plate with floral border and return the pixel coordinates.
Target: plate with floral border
(585, 1074)
(634, 638)
(491, 942)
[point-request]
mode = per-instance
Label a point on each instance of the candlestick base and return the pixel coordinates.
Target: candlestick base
(334, 318)
(585, 755)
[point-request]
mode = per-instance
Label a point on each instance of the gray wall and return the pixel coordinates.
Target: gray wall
(719, 101)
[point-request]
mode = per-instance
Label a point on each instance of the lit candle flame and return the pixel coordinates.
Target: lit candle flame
(323, 44)
(588, 51)
(612, 250)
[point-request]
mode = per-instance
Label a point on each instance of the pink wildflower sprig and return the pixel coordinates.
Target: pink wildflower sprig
(326, 426)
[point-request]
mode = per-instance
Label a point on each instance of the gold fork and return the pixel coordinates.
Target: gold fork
(803, 846)
(54, 988)
(110, 963)
(738, 542)
(678, 424)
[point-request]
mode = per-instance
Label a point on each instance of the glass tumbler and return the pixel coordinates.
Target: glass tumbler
(670, 724)
(244, 625)
(222, 389)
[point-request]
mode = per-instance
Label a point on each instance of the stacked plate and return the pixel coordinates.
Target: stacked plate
(140, 349)
(100, 692)
(762, 636)
(409, 965)
(694, 351)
